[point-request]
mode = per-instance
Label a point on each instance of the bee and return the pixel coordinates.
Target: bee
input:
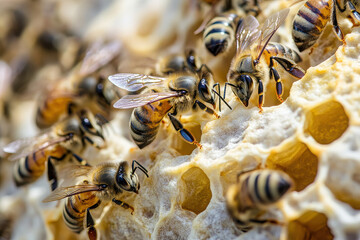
(178, 63)
(256, 62)
(91, 91)
(312, 18)
(103, 183)
(172, 95)
(66, 138)
(254, 192)
(219, 33)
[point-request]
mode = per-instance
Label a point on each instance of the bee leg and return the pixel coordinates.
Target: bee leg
(290, 67)
(205, 108)
(337, 29)
(90, 223)
(124, 205)
(275, 74)
(51, 171)
(355, 15)
(261, 95)
(80, 160)
(185, 134)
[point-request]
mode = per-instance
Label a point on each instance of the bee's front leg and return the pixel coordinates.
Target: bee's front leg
(185, 134)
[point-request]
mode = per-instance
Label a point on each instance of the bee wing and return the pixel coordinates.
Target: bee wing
(5, 77)
(133, 82)
(99, 55)
(64, 192)
(132, 101)
(270, 26)
(24, 147)
(247, 32)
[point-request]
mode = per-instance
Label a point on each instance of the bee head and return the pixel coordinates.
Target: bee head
(244, 88)
(89, 124)
(127, 179)
(204, 92)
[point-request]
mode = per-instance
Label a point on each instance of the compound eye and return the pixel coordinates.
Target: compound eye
(86, 123)
(122, 182)
(204, 90)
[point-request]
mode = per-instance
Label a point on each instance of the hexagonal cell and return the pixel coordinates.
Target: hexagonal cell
(326, 122)
(195, 193)
(343, 179)
(176, 225)
(310, 225)
(296, 159)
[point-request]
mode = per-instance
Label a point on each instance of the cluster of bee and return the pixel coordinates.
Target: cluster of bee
(179, 84)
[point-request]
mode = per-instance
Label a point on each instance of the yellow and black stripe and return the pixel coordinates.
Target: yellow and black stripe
(219, 33)
(265, 187)
(310, 21)
(28, 169)
(280, 50)
(75, 209)
(145, 121)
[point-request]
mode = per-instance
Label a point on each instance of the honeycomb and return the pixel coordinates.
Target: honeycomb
(313, 136)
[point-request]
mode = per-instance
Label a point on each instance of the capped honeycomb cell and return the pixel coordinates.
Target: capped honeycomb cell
(326, 122)
(176, 225)
(343, 178)
(296, 159)
(309, 226)
(195, 193)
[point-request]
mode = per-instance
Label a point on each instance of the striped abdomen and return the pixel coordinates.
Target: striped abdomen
(145, 121)
(28, 169)
(219, 33)
(310, 21)
(75, 210)
(263, 187)
(279, 50)
(51, 110)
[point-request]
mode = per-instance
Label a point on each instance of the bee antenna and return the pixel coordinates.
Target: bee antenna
(143, 169)
(221, 98)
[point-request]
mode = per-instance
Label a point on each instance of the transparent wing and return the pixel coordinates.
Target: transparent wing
(132, 101)
(246, 34)
(270, 26)
(63, 192)
(99, 55)
(133, 82)
(24, 147)
(5, 78)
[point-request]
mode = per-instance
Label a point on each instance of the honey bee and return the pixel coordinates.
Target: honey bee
(178, 63)
(257, 61)
(219, 33)
(312, 18)
(254, 192)
(92, 91)
(65, 139)
(175, 94)
(103, 183)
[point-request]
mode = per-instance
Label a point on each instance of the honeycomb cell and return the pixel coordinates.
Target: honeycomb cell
(326, 122)
(310, 225)
(195, 193)
(176, 225)
(343, 179)
(296, 159)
